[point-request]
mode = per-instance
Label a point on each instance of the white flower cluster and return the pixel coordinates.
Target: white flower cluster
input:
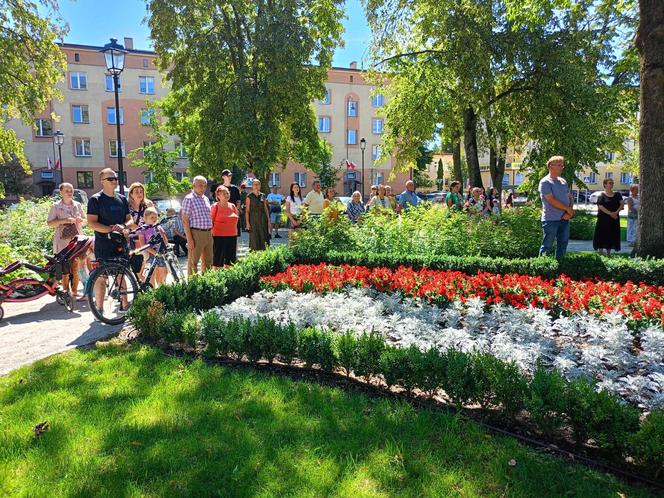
(580, 345)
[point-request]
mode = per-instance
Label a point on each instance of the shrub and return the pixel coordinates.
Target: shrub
(315, 348)
(511, 389)
(647, 445)
(459, 382)
(346, 350)
(430, 368)
(582, 226)
(398, 366)
(370, 347)
(547, 401)
(424, 230)
(191, 329)
(212, 333)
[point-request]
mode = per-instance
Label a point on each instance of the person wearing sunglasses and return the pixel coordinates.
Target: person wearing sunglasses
(108, 211)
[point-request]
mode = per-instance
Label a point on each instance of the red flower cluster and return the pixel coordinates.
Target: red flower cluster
(562, 295)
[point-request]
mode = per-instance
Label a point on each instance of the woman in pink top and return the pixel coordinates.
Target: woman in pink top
(225, 218)
(68, 218)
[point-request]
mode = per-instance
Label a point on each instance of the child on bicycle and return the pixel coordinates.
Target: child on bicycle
(145, 233)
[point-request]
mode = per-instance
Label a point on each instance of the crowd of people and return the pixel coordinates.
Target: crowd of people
(207, 231)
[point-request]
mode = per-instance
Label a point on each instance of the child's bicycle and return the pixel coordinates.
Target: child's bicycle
(48, 280)
(113, 284)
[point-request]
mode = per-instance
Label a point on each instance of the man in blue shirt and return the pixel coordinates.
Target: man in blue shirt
(557, 210)
(408, 197)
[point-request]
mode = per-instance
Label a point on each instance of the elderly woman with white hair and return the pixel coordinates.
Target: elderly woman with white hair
(355, 208)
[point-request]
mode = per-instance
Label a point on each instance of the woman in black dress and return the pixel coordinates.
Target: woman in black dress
(607, 229)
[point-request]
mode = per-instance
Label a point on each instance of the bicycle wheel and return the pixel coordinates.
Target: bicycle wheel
(175, 269)
(112, 289)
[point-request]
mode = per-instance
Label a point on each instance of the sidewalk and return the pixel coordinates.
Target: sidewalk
(38, 329)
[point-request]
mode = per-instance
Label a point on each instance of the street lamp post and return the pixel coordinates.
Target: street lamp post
(59, 139)
(363, 146)
(114, 54)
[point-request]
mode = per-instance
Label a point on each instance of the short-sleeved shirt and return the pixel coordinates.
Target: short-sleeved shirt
(235, 194)
(407, 198)
(295, 205)
(315, 202)
(224, 220)
(110, 211)
(455, 197)
(60, 211)
(197, 209)
(377, 202)
(560, 191)
(278, 198)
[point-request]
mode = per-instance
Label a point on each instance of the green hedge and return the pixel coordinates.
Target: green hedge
(574, 265)
(551, 402)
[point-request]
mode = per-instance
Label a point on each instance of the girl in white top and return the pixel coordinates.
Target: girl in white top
(380, 200)
(294, 203)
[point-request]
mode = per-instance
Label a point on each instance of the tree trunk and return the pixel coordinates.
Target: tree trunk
(456, 157)
(497, 166)
(470, 147)
(650, 42)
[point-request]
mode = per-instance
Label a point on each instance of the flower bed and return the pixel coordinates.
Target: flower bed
(580, 346)
(641, 304)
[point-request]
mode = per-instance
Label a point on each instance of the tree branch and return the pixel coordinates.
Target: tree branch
(408, 54)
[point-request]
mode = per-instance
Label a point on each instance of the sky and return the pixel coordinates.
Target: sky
(92, 22)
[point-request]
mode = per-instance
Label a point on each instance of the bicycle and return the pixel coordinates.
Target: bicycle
(118, 280)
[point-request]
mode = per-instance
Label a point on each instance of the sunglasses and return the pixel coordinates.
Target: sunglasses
(111, 179)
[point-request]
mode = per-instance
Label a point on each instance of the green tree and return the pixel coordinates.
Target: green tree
(440, 174)
(420, 171)
(327, 173)
(244, 74)
(31, 64)
(467, 68)
(14, 178)
(159, 158)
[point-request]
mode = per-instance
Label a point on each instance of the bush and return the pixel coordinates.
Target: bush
(600, 415)
(647, 445)
(346, 351)
(370, 347)
(459, 382)
(315, 348)
(430, 369)
(398, 367)
(582, 226)
(547, 401)
(425, 230)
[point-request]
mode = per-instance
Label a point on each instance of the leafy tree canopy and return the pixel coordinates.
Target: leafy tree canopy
(31, 63)
(244, 75)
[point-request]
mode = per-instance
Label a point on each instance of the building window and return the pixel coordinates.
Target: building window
(352, 109)
(626, 178)
(80, 114)
(351, 137)
(608, 174)
(326, 100)
(84, 179)
(146, 115)
(148, 177)
(110, 115)
(378, 100)
(145, 63)
(375, 152)
(179, 175)
(377, 126)
(378, 178)
(506, 179)
(591, 178)
(146, 84)
(82, 147)
(182, 151)
(324, 124)
(43, 128)
(109, 83)
(351, 78)
(78, 81)
(301, 179)
(275, 180)
(113, 148)
(77, 57)
(519, 178)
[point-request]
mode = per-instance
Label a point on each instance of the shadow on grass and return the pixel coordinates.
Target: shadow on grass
(128, 420)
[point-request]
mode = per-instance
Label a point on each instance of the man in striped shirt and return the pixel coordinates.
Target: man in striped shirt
(197, 224)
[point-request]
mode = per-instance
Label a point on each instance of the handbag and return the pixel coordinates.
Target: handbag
(69, 231)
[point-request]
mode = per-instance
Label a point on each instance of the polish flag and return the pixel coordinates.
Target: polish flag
(350, 164)
(57, 164)
(49, 163)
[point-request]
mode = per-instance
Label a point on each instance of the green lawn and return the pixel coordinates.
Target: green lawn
(130, 421)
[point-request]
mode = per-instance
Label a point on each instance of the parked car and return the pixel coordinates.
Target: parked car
(163, 204)
(594, 197)
(79, 196)
(344, 200)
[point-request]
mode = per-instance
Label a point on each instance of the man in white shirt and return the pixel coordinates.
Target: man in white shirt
(314, 200)
(275, 199)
